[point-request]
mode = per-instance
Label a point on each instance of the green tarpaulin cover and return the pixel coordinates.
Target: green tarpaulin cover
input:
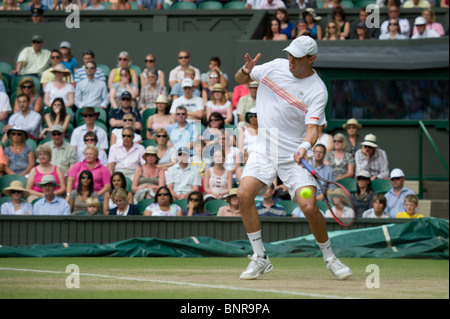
(421, 238)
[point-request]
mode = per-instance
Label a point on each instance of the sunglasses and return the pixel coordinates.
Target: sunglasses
(16, 134)
(213, 77)
(194, 200)
(15, 192)
(130, 136)
(125, 99)
(181, 114)
(338, 141)
(161, 136)
(149, 61)
(127, 120)
(89, 67)
(395, 178)
(123, 59)
(89, 140)
(55, 57)
(252, 116)
(215, 120)
(363, 178)
(27, 86)
(183, 57)
(56, 134)
(85, 177)
(162, 194)
(89, 115)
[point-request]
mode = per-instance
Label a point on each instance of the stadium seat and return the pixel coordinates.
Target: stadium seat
(6, 81)
(182, 203)
(183, 6)
(137, 69)
(104, 67)
(288, 205)
(322, 206)
(4, 199)
(210, 5)
(347, 4)
(381, 186)
(129, 183)
(16, 80)
(5, 180)
(142, 204)
(148, 142)
(320, 4)
(145, 115)
(213, 205)
(365, 3)
(234, 5)
(5, 67)
(349, 183)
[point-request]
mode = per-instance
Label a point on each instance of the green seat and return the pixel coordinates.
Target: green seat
(5, 180)
(106, 69)
(5, 67)
(349, 183)
(183, 6)
(137, 69)
(234, 5)
(16, 80)
(381, 186)
(4, 199)
(142, 204)
(347, 4)
(365, 3)
(288, 205)
(210, 5)
(182, 203)
(145, 115)
(6, 81)
(129, 183)
(322, 206)
(213, 205)
(146, 143)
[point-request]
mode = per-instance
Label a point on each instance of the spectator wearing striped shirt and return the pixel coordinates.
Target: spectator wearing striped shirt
(372, 159)
(80, 74)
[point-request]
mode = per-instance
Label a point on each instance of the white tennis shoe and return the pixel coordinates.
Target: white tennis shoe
(257, 267)
(338, 269)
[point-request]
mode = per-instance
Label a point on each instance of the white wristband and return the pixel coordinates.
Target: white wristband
(305, 145)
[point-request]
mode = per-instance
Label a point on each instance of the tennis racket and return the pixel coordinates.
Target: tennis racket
(342, 208)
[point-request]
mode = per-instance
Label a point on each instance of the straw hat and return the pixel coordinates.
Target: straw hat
(162, 99)
(232, 192)
(89, 111)
(218, 88)
(352, 122)
(338, 192)
(370, 140)
(312, 12)
(16, 186)
(150, 150)
(61, 68)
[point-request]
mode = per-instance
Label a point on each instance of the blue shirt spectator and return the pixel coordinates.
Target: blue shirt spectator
(58, 206)
(150, 4)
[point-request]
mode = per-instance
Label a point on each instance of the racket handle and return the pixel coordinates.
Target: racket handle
(307, 166)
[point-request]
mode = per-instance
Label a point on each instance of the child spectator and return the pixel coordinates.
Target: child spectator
(411, 205)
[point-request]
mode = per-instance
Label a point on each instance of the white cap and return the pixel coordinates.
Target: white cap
(420, 21)
(65, 44)
(301, 46)
(397, 172)
(187, 82)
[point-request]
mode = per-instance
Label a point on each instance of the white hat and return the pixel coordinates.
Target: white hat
(363, 173)
(302, 46)
(420, 21)
(397, 172)
(65, 44)
(187, 82)
(47, 179)
(370, 140)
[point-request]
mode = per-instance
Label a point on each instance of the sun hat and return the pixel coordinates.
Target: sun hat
(370, 140)
(352, 122)
(397, 172)
(339, 192)
(89, 111)
(253, 84)
(232, 192)
(301, 46)
(150, 150)
(47, 179)
(16, 186)
(60, 68)
(162, 99)
(251, 111)
(17, 129)
(218, 88)
(420, 21)
(312, 12)
(363, 173)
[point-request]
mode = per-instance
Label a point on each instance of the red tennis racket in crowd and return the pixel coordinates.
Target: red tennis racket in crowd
(341, 208)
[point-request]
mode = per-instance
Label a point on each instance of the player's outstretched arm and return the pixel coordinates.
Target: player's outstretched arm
(242, 75)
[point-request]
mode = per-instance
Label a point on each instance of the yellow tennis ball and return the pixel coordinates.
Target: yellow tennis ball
(306, 193)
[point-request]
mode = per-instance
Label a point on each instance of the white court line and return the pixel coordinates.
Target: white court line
(192, 284)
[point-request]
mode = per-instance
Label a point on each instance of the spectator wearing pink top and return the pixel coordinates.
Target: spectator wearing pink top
(271, 4)
(430, 17)
(102, 177)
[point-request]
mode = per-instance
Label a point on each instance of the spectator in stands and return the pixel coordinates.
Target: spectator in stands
(388, 3)
(420, 24)
(116, 134)
(19, 156)
(182, 178)
(90, 91)
(193, 104)
(176, 75)
(287, 27)
(89, 115)
(214, 65)
(2, 161)
(124, 62)
(274, 31)
(211, 136)
(126, 157)
(325, 138)
(403, 26)
(444, 3)
(68, 60)
(411, 204)
(150, 92)
(123, 208)
(163, 205)
(195, 205)
(331, 4)
(10, 5)
(409, 4)
(220, 104)
(342, 162)
(362, 31)
(5, 107)
(252, 4)
(352, 127)
(332, 32)
(27, 86)
(118, 180)
(177, 89)
(124, 85)
(95, 5)
(91, 138)
(150, 65)
(363, 197)
(78, 197)
(340, 207)
(247, 102)
(322, 169)
(182, 133)
(92, 204)
(32, 60)
(150, 4)
(338, 16)
(271, 4)
(232, 209)
(378, 209)
(120, 5)
(268, 208)
(148, 177)
(50, 204)
(393, 31)
(59, 88)
(302, 28)
(248, 134)
(207, 90)
(26, 119)
(374, 32)
(166, 153)
(161, 119)
(396, 196)
(64, 155)
(16, 205)
(45, 167)
(80, 73)
(312, 19)
(217, 181)
(48, 75)
(372, 159)
(100, 173)
(431, 23)
(116, 115)
(62, 5)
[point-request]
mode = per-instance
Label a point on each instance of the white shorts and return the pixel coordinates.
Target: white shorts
(293, 175)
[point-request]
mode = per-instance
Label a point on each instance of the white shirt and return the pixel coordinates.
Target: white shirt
(78, 137)
(31, 123)
(285, 105)
(176, 74)
(428, 33)
(63, 93)
(124, 159)
(405, 28)
(193, 104)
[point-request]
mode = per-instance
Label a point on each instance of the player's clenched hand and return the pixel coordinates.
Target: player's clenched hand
(301, 153)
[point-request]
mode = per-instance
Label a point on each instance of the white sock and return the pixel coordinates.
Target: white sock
(257, 243)
(327, 252)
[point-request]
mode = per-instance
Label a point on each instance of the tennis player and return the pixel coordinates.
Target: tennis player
(290, 106)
